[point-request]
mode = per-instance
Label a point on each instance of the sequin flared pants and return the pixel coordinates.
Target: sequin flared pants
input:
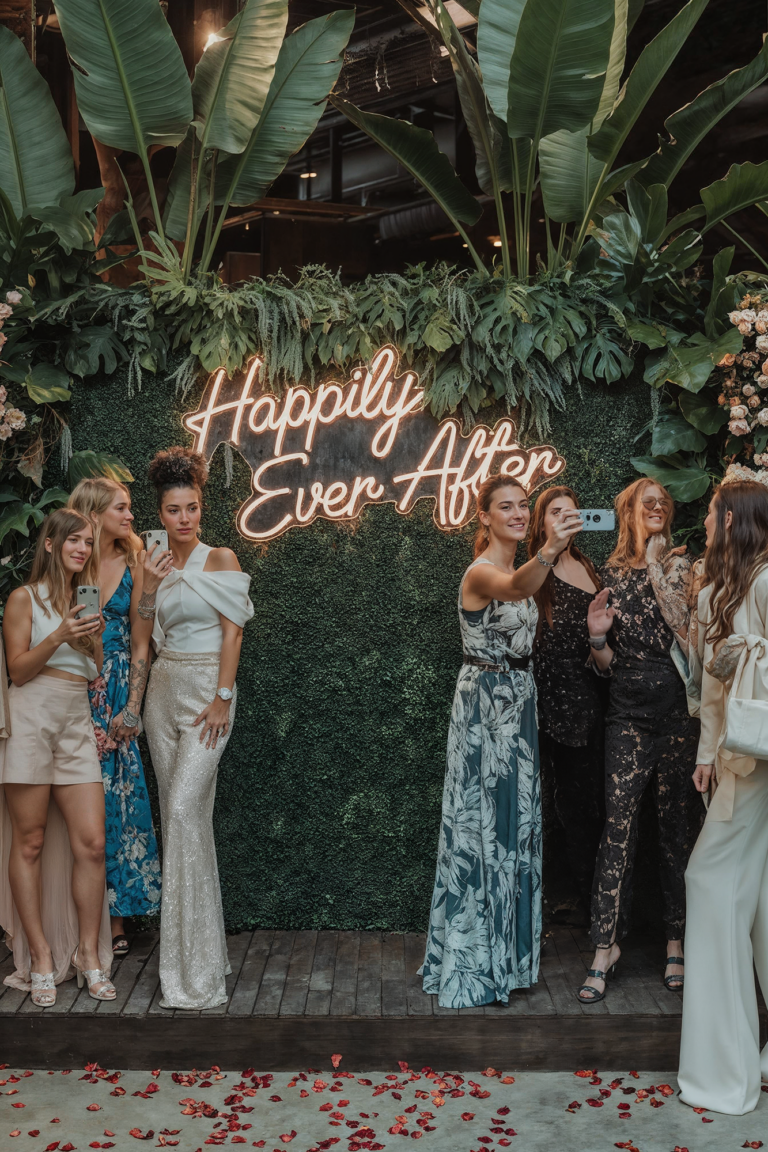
(193, 948)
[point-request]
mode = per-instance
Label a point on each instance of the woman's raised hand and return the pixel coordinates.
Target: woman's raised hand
(156, 567)
(73, 628)
(599, 615)
(564, 528)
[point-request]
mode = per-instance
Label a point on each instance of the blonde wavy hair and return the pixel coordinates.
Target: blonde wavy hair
(630, 546)
(48, 569)
(91, 498)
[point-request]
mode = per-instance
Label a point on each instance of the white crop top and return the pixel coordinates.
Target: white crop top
(65, 658)
(190, 602)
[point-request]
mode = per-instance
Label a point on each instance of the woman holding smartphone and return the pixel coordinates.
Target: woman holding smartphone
(127, 576)
(572, 700)
(721, 1065)
(53, 900)
(650, 737)
(485, 921)
(200, 610)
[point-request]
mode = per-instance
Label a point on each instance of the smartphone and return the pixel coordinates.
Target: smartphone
(598, 519)
(158, 536)
(88, 596)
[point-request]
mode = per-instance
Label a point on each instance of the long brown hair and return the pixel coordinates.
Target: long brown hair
(91, 497)
(630, 546)
(736, 554)
(545, 596)
(48, 569)
(483, 503)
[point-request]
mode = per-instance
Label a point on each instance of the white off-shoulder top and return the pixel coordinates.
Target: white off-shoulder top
(190, 602)
(65, 658)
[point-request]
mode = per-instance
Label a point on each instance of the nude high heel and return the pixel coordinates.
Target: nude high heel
(43, 994)
(92, 977)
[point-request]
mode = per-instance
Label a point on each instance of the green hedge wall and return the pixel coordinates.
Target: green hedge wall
(329, 793)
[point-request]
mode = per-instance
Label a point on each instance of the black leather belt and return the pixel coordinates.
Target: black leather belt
(512, 663)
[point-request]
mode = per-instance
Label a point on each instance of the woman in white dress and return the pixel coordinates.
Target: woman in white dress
(727, 878)
(200, 610)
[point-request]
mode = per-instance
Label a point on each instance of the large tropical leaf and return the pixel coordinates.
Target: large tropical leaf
(688, 127)
(307, 69)
(568, 173)
(178, 200)
(699, 411)
(557, 72)
(673, 433)
(233, 75)
(417, 151)
(741, 187)
(649, 70)
(497, 26)
(616, 58)
(35, 158)
(132, 87)
(721, 266)
(684, 484)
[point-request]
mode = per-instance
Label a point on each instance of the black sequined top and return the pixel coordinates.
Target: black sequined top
(571, 699)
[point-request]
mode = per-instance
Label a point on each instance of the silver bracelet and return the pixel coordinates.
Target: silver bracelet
(146, 613)
(130, 719)
(546, 563)
(598, 642)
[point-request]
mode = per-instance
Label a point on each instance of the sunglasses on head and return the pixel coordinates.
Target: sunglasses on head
(650, 503)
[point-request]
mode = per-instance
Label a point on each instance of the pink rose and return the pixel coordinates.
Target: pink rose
(738, 427)
(13, 297)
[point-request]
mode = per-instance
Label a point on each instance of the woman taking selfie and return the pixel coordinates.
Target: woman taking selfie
(650, 737)
(200, 608)
(485, 921)
(125, 574)
(53, 901)
(571, 699)
(727, 878)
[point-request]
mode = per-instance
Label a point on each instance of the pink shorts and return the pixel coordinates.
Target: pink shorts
(52, 739)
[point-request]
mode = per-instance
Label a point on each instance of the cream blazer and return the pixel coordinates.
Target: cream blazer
(751, 619)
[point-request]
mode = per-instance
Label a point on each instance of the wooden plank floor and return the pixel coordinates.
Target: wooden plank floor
(293, 997)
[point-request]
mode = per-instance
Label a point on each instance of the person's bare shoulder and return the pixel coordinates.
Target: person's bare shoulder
(222, 560)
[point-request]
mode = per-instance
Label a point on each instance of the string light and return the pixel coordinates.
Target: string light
(307, 175)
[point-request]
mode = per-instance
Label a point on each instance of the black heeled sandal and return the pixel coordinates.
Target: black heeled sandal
(120, 946)
(675, 981)
(595, 997)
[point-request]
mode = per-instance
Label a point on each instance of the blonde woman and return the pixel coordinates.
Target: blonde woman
(125, 575)
(642, 611)
(53, 900)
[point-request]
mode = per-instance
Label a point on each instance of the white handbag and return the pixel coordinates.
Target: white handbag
(746, 727)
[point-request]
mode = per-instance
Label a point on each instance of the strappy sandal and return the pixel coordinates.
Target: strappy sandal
(92, 977)
(675, 981)
(43, 994)
(594, 996)
(120, 946)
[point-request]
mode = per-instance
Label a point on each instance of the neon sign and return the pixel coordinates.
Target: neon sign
(331, 451)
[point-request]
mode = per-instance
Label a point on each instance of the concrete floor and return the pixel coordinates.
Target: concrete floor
(322, 1110)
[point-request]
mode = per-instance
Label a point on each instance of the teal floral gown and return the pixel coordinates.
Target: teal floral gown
(485, 922)
(133, 865)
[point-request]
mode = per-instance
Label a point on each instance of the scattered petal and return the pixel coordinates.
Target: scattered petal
(336, 1059)
(288, 1136)
(16, 1132)
(467, 1115)
(665, 1089)
(594, 1103)
(94, 1107)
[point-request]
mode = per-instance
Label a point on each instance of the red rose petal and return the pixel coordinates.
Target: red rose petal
(636, 1075)
(665, 1089)
(594, 1103)
(467, 1115)
(586, 1073)
(94, 1107)
(288, 1136)
(336, 1059)
(52, 1147)
(706, 1120)
(16, 1132)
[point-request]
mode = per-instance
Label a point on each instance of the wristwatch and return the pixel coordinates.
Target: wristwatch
(225, 693)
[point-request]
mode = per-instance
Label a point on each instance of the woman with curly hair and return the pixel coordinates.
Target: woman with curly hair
(199, 613)
(126, 573)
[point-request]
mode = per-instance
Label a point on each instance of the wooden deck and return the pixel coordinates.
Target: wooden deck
(296, 997)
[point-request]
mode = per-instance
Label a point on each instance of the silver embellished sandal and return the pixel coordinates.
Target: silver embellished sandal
(43, 993)
(94, 977)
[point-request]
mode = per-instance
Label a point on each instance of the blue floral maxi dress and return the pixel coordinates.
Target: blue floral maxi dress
(485, 922)
(133, 865)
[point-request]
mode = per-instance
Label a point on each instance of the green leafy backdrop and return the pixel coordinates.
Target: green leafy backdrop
(329, 794)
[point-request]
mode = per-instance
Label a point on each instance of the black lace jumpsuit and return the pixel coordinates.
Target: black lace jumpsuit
(649, 737)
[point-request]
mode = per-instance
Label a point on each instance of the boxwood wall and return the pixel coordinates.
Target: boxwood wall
(329, 793)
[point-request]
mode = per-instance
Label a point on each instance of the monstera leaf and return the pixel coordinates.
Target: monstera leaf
(89, 463)
(683, 483)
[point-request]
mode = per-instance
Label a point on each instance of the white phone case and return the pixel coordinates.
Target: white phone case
(598, 519)
(158, 536)
(88, 596)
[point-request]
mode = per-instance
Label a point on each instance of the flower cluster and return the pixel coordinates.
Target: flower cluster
(11, 419)
(745, 383)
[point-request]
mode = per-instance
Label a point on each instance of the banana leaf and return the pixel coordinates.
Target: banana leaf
(131, 84)
(307, 68)
(233, 75)
(650, 68)
(497, 27)
(568, 174)
(557, 71)
(741, 187)
(721, 265)
(178, 200)
(688, 127)
(417, 151)
(36, 165)
(616, 58)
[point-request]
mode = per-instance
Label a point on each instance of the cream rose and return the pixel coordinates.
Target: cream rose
(738, 412)
(762, 417)
(748, 390)
(762, 343)
(738, 427)
(735, 317)
(749, 315)
(13, 297)
(746, 329)
(727, 360)
(5, 311)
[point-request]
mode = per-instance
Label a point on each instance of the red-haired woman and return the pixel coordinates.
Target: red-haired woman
(727, 878)
(572, 700)
(650, 737)
(485, 921)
